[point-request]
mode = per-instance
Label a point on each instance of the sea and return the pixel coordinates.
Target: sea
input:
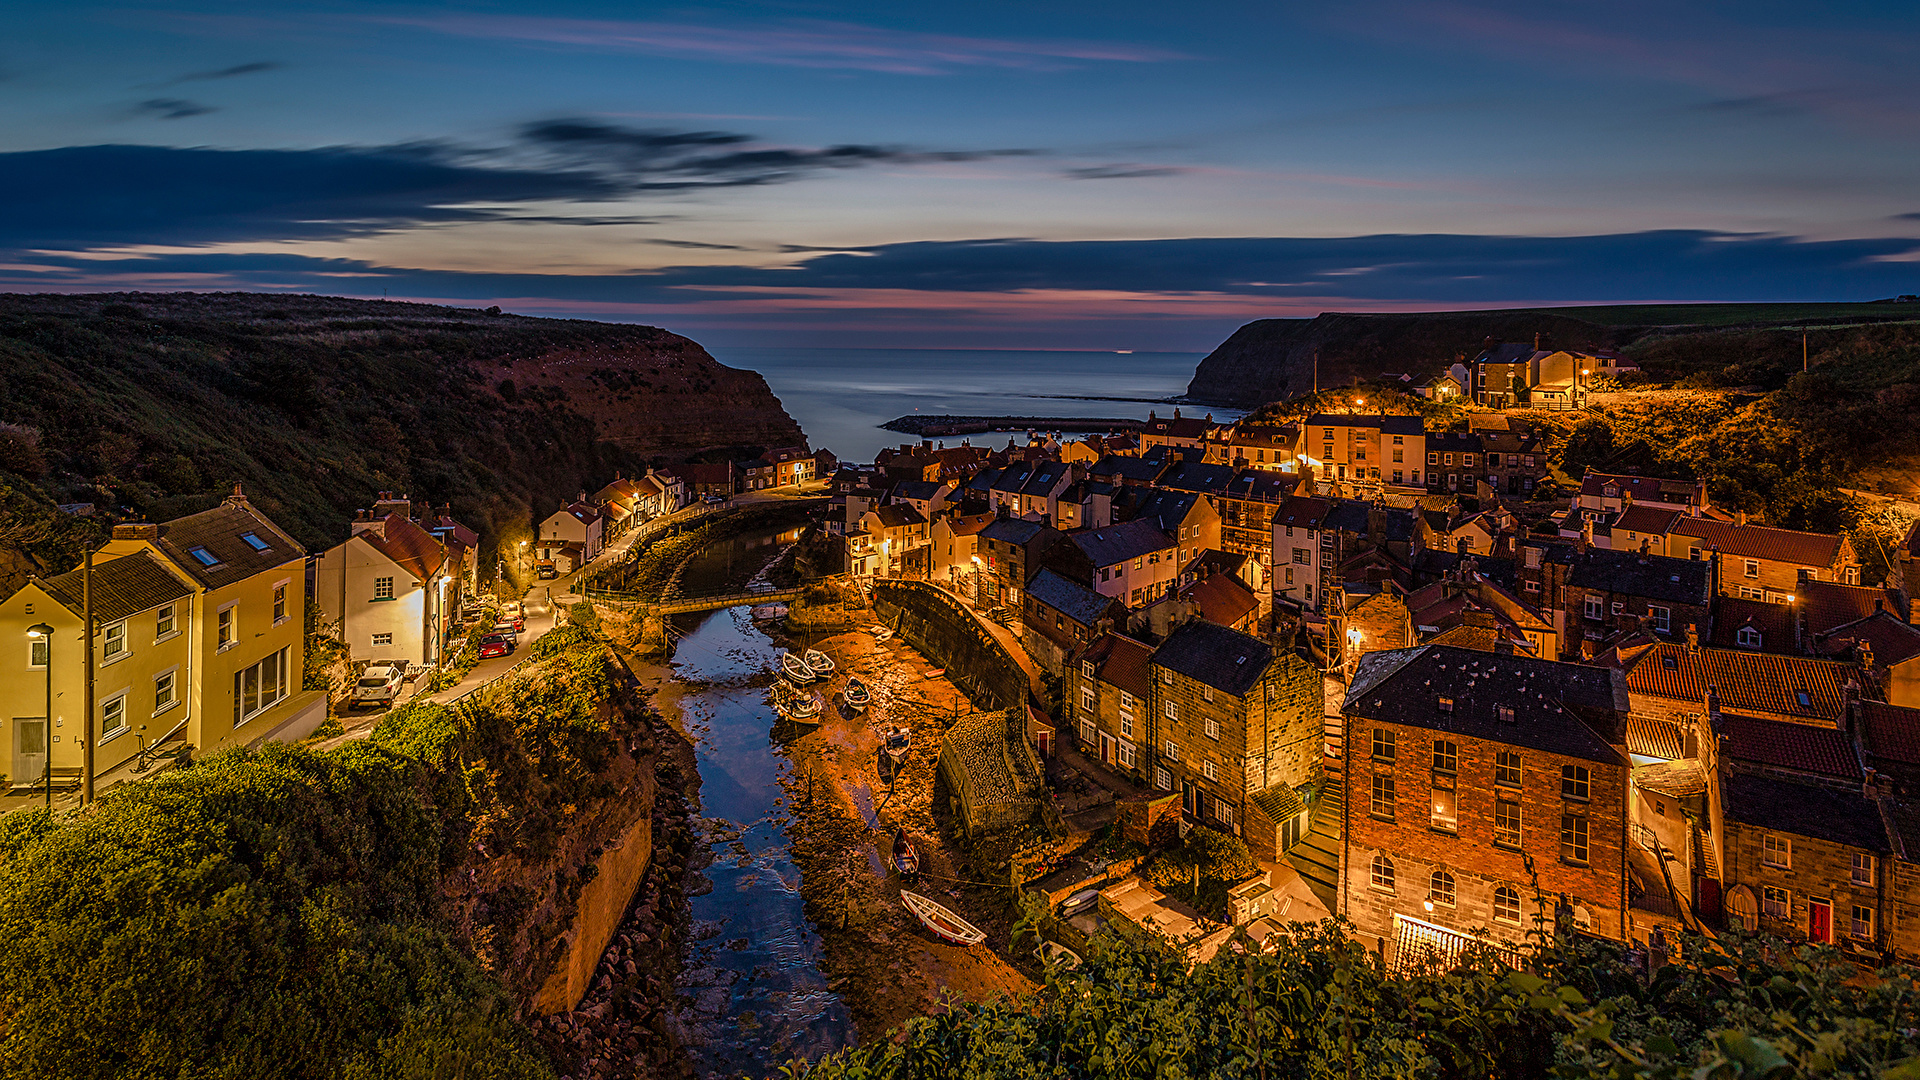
(841, 396)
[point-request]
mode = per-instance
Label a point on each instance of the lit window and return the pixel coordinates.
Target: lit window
(1446, 810)
(1383, 795)
(1446, 756)
(1506, 770)
(1380, 874)
(1440, 889)
(1775, 903)
(1776, 851)
(260, 687)
(1506, 904)
(1573, 837)
(1862, 922)
(1862, 869)
(1575, 782)
(1383, 744)
(383, 639)
(1506, 823)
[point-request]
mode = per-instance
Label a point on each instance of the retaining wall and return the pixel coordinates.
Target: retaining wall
(949, 635)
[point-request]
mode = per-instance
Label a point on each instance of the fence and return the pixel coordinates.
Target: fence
(1421, 946)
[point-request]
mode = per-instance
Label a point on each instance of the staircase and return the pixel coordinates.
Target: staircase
(1317, 856)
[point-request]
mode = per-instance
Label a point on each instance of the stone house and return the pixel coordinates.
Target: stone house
(1012, 551)
(956, 561)
(1109, 691)
(792, 465)
(1596, 596)
(1759, 562)
(1453, 460)
(1061, 618)
(1465, 771)
(898, 535)
(1516, 456)
(1615, 492)
(1303, 552)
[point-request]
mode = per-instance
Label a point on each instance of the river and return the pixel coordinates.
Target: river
(752, 977)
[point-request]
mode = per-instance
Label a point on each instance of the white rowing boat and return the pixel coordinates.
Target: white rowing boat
(857, 696)
(796, 706)
(1054, 954)
(796, 669)
(819, 662)
(880, 633)
(944, 923)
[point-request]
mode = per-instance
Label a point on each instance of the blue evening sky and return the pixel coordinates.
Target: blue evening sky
(1110, 175)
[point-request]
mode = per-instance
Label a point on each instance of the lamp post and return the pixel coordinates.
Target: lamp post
(44, 633)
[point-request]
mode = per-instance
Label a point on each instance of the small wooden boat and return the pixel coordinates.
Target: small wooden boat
(1079, 901)
(857, 696)
(820, 662)
(797, 707)
(1054, 954)
(944, 924)
(769, 612)
(935, 672)
(905, 858)
(894, 741)
(880, 633)
(796, 669)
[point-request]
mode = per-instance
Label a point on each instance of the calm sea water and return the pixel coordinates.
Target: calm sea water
(842, 396)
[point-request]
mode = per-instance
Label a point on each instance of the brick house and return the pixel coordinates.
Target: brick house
(1467, 769)
(1669, 682)
(1110, 692)
(1133, 562)
(1760, 562)
(755, 475)
(1597, 595)
(1011, 550)
(1060, 618)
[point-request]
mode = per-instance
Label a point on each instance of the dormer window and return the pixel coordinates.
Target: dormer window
(203, 556)
(1671, 663)
(254, 542)
(1446, 704)
(1748, 638)
(1506, 714)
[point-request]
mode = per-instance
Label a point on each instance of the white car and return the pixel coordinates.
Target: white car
(378, 685)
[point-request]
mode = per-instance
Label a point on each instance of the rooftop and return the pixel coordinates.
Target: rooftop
(213, 546)
(1761, 541)
(1115, 544)
(1069, 598)
(1804, 810)
(1653, 577)
(1216, 656)
(1121, 661)
(1783, 744)
(121, 587)
(1747, 682)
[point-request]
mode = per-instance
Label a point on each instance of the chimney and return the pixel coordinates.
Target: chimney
(1176, 412)
(1693, 639)
(137, 530)
(238, 498)
(1739, 517)
(1586, 536)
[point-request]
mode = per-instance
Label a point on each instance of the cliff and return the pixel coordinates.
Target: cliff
(160, 403)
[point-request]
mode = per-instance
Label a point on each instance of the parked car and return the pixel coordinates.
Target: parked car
(506, 629)
(495, 645)
(547, 571)
(711, 499)
(378, 685)
(513, 613)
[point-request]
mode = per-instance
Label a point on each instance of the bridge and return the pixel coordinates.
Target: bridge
(681, 605)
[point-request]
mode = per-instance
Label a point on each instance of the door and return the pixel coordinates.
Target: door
(29, 750)
(1108, 748)
(1190, 798)
(1820, 921)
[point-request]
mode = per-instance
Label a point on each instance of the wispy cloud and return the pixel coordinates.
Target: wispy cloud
(1122, 172)
(806, 44)
(234, 72)
(171, 108)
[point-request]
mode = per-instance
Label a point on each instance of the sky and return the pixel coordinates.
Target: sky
(1112, 175)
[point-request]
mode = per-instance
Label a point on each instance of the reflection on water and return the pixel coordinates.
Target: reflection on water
(756, 994)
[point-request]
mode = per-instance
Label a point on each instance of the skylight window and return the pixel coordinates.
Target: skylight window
(1805, 699)
(254, 541)
(205, 557)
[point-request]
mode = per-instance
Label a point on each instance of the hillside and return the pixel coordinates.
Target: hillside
(1271, 359)
(160, 403)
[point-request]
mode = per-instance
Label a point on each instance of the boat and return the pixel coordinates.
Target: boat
(935, 672)
(880, 633)
(856, 695)
(820, 662)
(796, 706)
(796, 669)
(944, 924)
(905, 858)
(1054, 954)
(769, 612)
(894, 741)
(1079, 901)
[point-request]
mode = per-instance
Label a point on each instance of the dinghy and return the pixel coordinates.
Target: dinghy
(857, 696)
(944, 924)
(905, 858)
(894, 741)
(880, 633)
(1054, 954)
(819, 662)
(796, 669)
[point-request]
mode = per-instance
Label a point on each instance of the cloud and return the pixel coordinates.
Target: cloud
(233, 72)
(698, 245)
(806, 44)
(1122, 172)
(171, 108)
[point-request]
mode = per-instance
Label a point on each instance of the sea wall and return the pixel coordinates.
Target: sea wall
(949, 635)
(601, 908)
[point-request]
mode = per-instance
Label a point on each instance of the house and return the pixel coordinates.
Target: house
(1617, 491)
(392, 589)
(1123, 470)
(1358, 447)
(715, 479)
(1246, 511)
(1755, 625)
(1133, 562)
(1012, 550)
(1236, 730)
(1468, 773)
(1669, 682)
(1441, 387)
(1299, 563)
(1174, 431)
(1061, 618)
(1515, 456)
(462, 544)
(758, 474)
(1760, 562)
(1085, 504)
(1886, 647)
(1453, 459)
(929, 497)
(1515, 375)
(899, 537)
(1266, 447)
(792, 465)
(956, 561)
(1040, 490)
(570, 537)
(1110, 693)
(219, 664)
(1187, 517)
(619, 504)
(1890, 742)
(1596, 596)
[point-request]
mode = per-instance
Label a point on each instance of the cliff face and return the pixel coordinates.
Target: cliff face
(1273, 359)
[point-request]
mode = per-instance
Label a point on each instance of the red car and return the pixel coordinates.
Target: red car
(494, 645)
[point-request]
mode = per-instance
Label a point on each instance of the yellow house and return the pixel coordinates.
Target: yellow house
(200, 637)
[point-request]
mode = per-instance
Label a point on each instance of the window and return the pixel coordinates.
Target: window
(1776, 851)
(113, 643)
(1748, 638)
(1383, 796)
(1380, 873)
(1662, 618)
(1750, 593)
(1805, 700)
(1776, 903)
(1446, 756)
(1466, 460)
(1619, 608)
(1440, 889)
(1862, 869)
(1399, 456)
(1446, 704)
(1573, 837)
(1162, 779)
(1433, 459)
(1140, 562)
(1446, 808)
(1126, 754)
(1172, 710)
(1398, 476)
(1575, 782)
(113, 716)
(1448, 459)
(1533, 586)
(1206, 693)
(163, 621)
(1207, 769)
(1172, 750)
(1289, 575)
(1506, 823)
(279, 603)
(260, 687)
(1753, 568)
(164, 697)
(1506, 770)
(1088, 733)
(1213, 728)
(224, 626)
(1529, 459)
(1303, 555)
(203, 556)
(37, 653)
(1383, 744)
(1506, 904)
(254, 541)
(1493, 461)
(383, 588)
(1862, 922)
(1223, 813)
(1693, 553)
(1596, 609)
(1086, 698)
(1086, 669)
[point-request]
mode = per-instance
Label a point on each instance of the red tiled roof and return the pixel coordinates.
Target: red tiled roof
(583, 513)
(1761, 541)
(1301, 512)
(968, 524)
(1828, 604)
(1649, 488)
(1892, 640)
(1746, 682)
(1655, 738)
(1785, 745)
(1774, 621)
(1646, 520)
(1122, 662)
(411, 547)
(1223, 599)
(1891, 731)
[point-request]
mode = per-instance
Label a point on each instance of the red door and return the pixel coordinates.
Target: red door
(1820, 921)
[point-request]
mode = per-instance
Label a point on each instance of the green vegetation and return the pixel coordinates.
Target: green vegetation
(1321, 1006)
(282, 913)
(1208, 856)
(649, 571)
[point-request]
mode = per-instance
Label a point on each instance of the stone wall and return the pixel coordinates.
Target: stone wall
(949, 635)
(991, 771)
(601, 908)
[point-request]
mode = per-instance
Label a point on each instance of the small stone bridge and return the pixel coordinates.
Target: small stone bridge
(654, 632)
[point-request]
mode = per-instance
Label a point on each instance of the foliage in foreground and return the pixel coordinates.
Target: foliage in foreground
(1321, 1006)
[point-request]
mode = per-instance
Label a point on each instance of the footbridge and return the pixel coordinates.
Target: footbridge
(681, 605)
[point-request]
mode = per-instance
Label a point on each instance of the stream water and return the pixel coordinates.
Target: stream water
(757, 996)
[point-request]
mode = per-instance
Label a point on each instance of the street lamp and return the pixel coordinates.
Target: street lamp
(44, 633)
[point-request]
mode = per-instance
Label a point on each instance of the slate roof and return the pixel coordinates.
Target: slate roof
(1167, 509)
(1012, 531)
(1773, 621)
(1217, 656)
(1196, 476)
(1745, 681)
(1263, 485)
(219, 531)
(1128, 469)
(1783, 744)
(1301, 512)
(1890, 638)
(1455, 442)
(1653, 577)
(1891, 732)
(984, 480)
(1069, 598)
(1012, 478)
(581, 512)
(121, 587)
(1761, 541)
(1347, 515)
(923, 490)
(1804, 810)
(1121, 661)
(1177, 427)
(1642, 488)
(1389, 425)
(1044, 477)
(898, 515)
(1116, 544)
(1510, 352)
(1406, 686)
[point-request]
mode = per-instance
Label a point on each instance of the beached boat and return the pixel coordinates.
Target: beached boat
(1080, 901)
(894, 741)
(905, 858)
(856, 695)
(796, 669)
(796, 706)
(769, 612)
(1054, 954)
(880, 633)
(820, 662)
(935, 672)
(944, 923)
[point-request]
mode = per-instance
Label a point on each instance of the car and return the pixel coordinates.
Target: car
(512, 613)
(506, 629)
(513, 608)
(547, 572)
(378, 685)
(711, 499)
(495, 645)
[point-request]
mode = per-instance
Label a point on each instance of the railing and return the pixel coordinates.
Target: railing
(1421, 946)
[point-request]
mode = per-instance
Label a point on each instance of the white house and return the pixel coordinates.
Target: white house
(390, 588)
(572, 537)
